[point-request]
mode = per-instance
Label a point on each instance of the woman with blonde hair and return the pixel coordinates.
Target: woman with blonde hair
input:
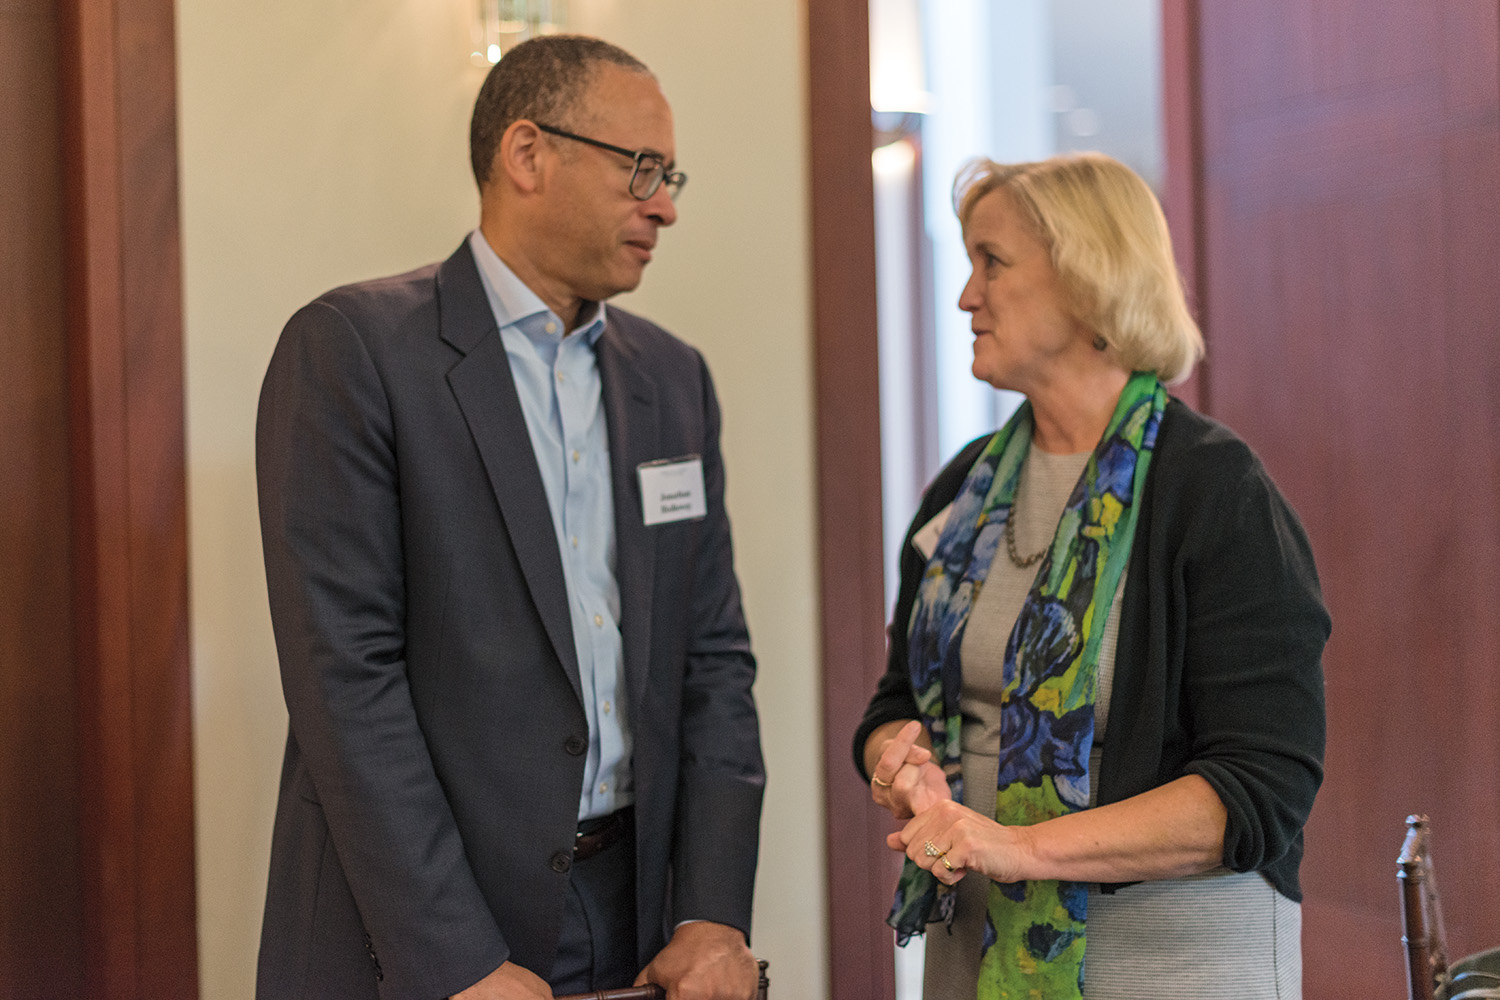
(1102, 715)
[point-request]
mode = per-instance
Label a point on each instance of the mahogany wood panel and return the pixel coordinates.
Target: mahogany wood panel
(41, 923)
(861, 871)
(128, 497)
(1351, 265)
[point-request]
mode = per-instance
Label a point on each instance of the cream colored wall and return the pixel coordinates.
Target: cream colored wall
(325, 141)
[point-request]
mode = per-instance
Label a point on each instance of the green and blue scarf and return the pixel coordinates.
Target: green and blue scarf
(1034, 932)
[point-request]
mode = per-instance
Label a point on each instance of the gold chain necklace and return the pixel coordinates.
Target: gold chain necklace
(1010, 534)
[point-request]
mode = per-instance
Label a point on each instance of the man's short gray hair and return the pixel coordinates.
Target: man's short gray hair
(540, 80)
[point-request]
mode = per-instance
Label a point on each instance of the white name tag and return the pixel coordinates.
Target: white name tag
(672, 490)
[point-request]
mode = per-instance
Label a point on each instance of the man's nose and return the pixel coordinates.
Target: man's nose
(661, 207)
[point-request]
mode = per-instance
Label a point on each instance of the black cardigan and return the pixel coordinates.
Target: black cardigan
(1218, 669)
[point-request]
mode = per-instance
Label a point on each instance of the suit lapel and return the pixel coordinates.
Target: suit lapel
(630, 410)
(486, 394)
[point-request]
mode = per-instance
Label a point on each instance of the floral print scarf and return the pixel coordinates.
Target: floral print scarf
(1034, 931)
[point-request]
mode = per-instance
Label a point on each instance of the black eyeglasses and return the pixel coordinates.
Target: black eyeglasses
(650, 169)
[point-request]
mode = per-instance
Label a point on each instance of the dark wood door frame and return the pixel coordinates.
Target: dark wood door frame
(1183, 199)
(129, 513)
(851, 586)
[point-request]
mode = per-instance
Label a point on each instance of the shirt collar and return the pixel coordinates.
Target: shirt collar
(512, 302)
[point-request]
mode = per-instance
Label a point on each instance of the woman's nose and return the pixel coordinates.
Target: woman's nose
(969, 299)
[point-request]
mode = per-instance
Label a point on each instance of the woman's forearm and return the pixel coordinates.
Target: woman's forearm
(1167, 832)
(1171, 831)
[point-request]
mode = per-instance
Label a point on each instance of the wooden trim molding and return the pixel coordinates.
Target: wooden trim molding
(852, 592)
(1183, 116)
(129, 507)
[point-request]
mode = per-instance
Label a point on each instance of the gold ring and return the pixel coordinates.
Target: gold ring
(930, 849)
(945, 861)
(875, 780)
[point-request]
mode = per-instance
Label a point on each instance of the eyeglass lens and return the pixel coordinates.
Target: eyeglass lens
(648, 176)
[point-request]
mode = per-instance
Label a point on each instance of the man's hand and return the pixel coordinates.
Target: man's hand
(704, 961)
(509, 982)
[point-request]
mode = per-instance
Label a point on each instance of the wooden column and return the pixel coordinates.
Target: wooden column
(124, 317)
(1182, 112)
(41, 943)
(861, 871)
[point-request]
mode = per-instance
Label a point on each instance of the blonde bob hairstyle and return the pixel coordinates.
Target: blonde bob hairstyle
(1110, 246)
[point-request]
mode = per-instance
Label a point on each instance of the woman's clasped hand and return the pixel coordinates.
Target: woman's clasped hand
(918, 792)
(912, 781)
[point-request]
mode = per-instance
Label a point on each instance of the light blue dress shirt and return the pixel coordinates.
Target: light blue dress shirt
(557, 378)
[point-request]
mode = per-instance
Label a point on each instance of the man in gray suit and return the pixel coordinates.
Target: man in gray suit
(523, 754)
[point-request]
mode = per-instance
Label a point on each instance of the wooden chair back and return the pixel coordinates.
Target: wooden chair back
(1429, 975)
(1421, 913)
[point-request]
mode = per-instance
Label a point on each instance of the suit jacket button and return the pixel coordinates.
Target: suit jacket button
(575, 745)
(562, 861)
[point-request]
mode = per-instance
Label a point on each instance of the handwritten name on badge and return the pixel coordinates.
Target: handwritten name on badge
(672, 490)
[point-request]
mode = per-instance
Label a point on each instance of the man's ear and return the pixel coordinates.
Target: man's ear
(521, 157)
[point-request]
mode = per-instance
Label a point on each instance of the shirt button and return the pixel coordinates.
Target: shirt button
(561, 862)
(606, 708)
(575, 745)
(603, 787)
(598, 621)
(551, 327)
(576, 455)
(575, 541)
(560, 376)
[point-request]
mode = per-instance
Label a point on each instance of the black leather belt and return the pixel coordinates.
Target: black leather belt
(595, 835)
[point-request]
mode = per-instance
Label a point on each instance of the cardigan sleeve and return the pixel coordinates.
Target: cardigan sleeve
(1252, 700)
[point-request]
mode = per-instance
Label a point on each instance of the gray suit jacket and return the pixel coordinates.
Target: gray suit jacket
(435, 754)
